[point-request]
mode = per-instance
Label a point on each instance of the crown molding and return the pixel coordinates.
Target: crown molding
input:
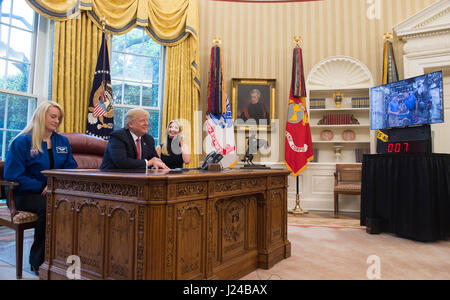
(433, 20)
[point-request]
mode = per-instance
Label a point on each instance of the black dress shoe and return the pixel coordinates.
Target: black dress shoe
(35, 270)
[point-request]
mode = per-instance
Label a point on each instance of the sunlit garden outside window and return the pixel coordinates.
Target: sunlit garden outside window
(136, 75)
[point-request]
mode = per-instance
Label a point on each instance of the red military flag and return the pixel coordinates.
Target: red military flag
(298, 144)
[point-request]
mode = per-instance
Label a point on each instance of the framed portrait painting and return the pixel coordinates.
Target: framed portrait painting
(253, 101)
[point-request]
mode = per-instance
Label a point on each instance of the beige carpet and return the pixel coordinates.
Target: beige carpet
(320, 252)
(317, 221)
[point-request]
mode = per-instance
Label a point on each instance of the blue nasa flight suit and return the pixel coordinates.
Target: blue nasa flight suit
(24, 166)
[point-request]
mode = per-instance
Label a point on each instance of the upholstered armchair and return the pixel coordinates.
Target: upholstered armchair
(10, 217)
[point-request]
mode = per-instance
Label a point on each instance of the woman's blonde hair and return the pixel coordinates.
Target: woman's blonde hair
(36, 127)
(164, 146)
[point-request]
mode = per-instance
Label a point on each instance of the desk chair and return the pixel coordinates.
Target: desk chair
(347, 180)
(14, 219)
(86, 150)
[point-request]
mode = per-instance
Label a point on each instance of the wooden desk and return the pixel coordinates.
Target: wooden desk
(192, 225)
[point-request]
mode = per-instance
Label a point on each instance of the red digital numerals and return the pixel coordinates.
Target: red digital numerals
(398, 147)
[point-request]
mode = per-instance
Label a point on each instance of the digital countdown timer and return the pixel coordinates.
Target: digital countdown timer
(419, 146)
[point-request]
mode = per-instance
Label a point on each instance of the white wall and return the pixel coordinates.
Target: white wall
(441, 132)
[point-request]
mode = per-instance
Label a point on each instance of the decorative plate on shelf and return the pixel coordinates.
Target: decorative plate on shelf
(326, 135)
(348, 135)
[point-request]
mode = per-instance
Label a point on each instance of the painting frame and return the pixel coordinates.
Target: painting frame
(240, 96)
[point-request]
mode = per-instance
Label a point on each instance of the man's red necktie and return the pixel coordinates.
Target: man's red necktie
(138, 148)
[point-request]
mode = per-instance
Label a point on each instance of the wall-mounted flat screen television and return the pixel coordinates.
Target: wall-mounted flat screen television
(413, 101)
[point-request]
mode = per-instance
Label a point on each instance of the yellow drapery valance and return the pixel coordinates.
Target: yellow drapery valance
(168, 22)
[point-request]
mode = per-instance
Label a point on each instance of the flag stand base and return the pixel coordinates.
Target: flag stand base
(297, 209)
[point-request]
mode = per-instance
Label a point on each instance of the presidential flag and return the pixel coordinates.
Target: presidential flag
(219, 122)
(298, 143)
(390, 74)
(100, 120)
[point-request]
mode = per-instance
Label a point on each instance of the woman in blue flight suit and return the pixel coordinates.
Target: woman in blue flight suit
(38, 147)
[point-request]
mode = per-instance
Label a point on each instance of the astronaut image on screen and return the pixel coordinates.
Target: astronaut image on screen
(413, 101)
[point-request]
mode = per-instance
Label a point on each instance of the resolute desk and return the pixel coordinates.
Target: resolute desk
(154, 225)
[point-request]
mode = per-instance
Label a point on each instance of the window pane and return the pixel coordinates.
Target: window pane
(10, 135)
(17, 112)
(150, 95)
(117, 65)
(2, 110)
(133, 68)
(119, 115)
(134, 41)
(20, 45)
(24, 15)
(151, 70)
(151, 48)
(3, 147)
(132, 94)
(155, 66)
(118, 43)
(2, 73)
(153, 123)
(17, 77)
(6, 10)
(4, 33)
(117, 92)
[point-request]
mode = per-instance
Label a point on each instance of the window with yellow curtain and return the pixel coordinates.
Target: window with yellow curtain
(18, 23)
(137, 64)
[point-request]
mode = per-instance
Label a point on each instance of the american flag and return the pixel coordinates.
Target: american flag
(99, 109)
(100, 122)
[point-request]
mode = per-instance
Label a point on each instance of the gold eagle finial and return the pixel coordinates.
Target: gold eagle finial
(297, 40)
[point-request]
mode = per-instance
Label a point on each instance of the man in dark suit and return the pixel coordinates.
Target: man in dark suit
(255, 109)
(132, 147)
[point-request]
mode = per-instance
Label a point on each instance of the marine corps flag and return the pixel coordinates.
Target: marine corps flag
(100, 119)
(298, 144)
(219, 122)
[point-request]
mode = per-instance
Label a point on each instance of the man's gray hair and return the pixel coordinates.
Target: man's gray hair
(256, 91)
(132, 115)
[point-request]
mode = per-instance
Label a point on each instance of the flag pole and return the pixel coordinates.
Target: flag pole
(216, 43)
(297, 209)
